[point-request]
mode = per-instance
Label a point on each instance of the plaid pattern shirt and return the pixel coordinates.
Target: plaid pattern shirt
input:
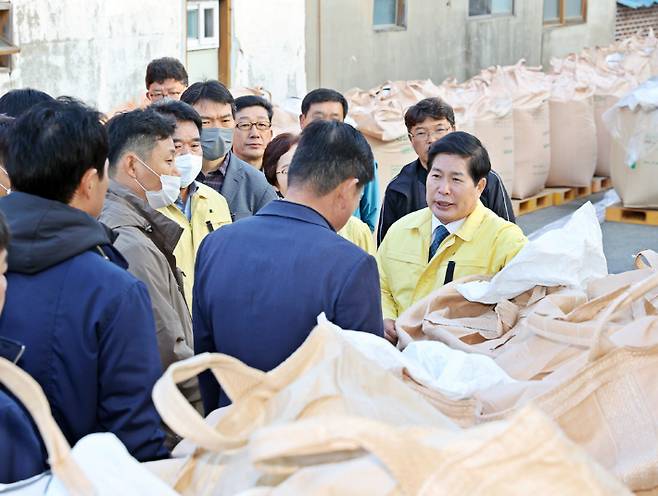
(215, 179)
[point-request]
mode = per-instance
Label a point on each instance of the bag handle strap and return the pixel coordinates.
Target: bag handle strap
(647, 259)
(233, 376)
(567, 332)
(409, 462)
(600, 342)
(30, 394)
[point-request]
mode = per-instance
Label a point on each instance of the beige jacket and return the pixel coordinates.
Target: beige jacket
(147, 239)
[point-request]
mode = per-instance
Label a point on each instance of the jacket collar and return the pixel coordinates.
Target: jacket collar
(288, 209)
(423, 222)
(125, 209)
(234, 176)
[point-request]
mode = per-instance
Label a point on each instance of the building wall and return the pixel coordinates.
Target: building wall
(202, 64)
(268, 46)
(95, 50)
(440, 41)
(599, 30)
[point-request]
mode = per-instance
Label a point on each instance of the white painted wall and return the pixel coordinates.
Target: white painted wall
(95, 50)
(269, 46)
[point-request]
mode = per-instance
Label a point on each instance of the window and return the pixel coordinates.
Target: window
(6, 47)
(559, 12)
(389, 14)
(202, 24)
(490, 7)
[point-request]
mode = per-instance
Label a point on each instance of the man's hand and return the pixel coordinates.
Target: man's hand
(389, 331)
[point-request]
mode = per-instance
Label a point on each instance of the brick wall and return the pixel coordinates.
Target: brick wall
(630, 21)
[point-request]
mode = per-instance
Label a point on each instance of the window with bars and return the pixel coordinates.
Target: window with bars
(559, 12)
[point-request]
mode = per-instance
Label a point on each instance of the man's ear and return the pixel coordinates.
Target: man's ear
(302, 120)
(148, 96)
(482, 183)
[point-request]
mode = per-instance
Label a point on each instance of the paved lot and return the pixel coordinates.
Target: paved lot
(620, 241)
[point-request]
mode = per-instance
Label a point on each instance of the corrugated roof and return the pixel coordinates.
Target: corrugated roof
(636, 4)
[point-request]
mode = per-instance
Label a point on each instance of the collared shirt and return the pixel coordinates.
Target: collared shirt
(186, 207)
(452, 227)
(215, 179)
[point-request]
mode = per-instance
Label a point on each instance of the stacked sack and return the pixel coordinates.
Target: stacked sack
(487, 116)
(529, 91)
(379, 115)
(573, 129)
(633, 122)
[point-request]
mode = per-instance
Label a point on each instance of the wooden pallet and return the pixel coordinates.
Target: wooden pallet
(533, 203)
(601, 184)
(618, 213)
(563, 195)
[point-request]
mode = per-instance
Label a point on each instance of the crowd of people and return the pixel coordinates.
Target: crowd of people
(186, 227)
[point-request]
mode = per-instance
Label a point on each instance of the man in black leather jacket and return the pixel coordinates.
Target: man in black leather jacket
(428, 121)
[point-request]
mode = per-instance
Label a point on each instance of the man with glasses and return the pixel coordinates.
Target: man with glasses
(246, 190)
(428, 121)
(253, 129)
(165, 78)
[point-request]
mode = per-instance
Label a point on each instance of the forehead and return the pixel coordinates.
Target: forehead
(186, 130)
(327, 108)
(255, 112)
(209, 108)
(164, 147)
(450, 164)
(431, 123)
(167, 84)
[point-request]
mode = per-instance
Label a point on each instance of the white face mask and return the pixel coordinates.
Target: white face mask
(189, 167)
(167, 195)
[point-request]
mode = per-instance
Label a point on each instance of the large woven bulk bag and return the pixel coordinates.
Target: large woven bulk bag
(529, 91)
(633, 123)
(487, 117)
(573, 133)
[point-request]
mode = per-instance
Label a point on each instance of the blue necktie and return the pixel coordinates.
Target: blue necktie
(440, 233)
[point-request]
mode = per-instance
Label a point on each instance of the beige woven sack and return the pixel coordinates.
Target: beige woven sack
(599, 380)
(324, 376)
(527, 454)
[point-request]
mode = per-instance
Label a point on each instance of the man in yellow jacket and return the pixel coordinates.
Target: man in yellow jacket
(199, 209)
(454, 237)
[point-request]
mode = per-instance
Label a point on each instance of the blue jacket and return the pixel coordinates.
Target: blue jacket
(21, 452)
(85, 321)
(260, 284)
(368, 209)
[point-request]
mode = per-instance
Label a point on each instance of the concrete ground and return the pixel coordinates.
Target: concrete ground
(620, 241)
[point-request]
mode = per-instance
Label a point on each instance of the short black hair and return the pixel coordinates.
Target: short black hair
(328, 153)
(52, 145)
(242, 102)
(179, 111)
(5, 237)
(211, 90)
(466, 146)
(137, 131)
(6, 122)
(321, 95)
(15, 103)
(429, 108)
(159, 70)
